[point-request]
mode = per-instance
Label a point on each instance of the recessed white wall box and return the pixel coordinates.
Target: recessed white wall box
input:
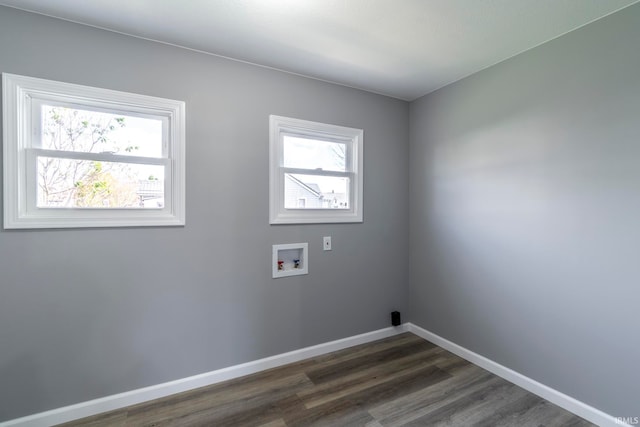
(290, 259)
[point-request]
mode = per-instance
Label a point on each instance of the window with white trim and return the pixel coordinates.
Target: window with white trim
(315, 172)
(79, 156)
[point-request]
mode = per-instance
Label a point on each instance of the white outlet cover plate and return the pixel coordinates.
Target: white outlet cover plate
(326, 243)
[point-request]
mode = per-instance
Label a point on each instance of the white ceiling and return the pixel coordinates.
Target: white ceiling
(401, 48)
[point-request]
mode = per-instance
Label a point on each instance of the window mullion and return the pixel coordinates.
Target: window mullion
(101, 157)
(316, 172)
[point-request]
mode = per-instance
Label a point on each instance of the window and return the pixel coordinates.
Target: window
(77, 156)
(316, 172)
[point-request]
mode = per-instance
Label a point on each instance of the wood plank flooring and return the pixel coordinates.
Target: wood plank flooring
(400, 381)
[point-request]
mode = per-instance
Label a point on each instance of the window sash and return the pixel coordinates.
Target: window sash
(90, 105)
(22, 99)
(31, 158)
(283, 171)
(352, 138)
(306, 209)
(317, 136)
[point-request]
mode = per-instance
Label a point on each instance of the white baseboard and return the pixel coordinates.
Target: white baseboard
(121, 400)
(554, 396)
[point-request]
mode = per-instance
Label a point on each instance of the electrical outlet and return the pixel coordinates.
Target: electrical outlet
(326, 243)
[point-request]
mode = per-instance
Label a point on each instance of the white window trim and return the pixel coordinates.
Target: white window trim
(20, 92)
(280, 126)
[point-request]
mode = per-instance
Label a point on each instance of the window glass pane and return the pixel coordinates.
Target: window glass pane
(71, 183)
(314, 154)
(315, 192)
(70, 129)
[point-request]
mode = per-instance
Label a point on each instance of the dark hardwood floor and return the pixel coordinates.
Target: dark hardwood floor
(399, 381)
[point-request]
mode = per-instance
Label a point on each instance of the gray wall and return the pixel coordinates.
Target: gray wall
(89, 313)
(525, 213)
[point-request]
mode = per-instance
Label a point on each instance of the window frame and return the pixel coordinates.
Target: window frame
(279, 127)
(22, 97)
